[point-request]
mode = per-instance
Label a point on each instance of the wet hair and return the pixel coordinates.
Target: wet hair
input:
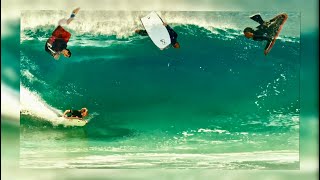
(85, 110)
(248, 29)
(69, 52)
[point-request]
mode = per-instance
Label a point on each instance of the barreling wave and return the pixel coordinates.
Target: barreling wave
(216, 96)
(215, 58)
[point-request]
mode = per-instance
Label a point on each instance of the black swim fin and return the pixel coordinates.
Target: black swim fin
(257, 18)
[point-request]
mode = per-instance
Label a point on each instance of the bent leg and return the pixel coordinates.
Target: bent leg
(62, 22)
(68, 21)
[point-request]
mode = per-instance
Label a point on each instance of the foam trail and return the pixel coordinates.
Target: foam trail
(32, 104)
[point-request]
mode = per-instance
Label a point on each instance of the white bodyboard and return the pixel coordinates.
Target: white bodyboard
(156, 30)
(71, 121)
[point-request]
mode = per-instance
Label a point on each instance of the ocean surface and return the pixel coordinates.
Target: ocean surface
(217, 102)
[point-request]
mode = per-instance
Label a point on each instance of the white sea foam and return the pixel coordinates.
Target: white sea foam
(124, 23)
(212, 130)
(32, 104)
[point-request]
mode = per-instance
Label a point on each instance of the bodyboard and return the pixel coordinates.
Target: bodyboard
(157, 32)
(276, 28)
(66, 121)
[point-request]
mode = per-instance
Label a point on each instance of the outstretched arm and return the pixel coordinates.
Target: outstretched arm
(65, 113)
(53, 53)
(56, 56)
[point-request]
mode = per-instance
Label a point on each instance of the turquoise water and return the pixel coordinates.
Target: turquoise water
(217, 102)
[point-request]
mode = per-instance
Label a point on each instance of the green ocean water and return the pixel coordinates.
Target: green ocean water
(217, 102)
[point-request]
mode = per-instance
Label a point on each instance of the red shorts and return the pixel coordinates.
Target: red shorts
(59, 32)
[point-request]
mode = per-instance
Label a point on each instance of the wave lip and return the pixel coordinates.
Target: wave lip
(122, 24)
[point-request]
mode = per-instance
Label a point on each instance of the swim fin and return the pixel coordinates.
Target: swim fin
(74, 12)
(257, 18)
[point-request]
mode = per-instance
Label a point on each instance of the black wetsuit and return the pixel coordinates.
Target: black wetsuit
(59, 45)
(263, 30)
(262, 34)
(74, 113)
(173, 35)
(263, 37)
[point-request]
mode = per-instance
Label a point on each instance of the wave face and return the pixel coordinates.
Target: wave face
(217, 95)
